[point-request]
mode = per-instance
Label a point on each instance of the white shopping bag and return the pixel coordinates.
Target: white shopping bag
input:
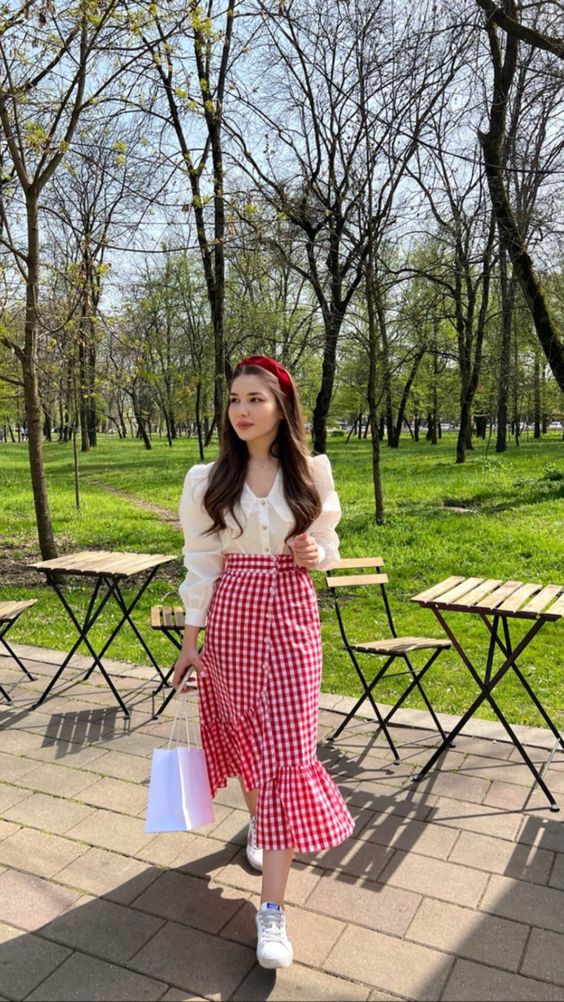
(179, 789)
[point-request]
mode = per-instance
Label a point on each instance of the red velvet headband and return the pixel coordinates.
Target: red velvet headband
(274, 367)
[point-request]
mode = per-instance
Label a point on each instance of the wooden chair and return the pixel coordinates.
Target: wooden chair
(169, 620)
(391, 648)
(9, 613)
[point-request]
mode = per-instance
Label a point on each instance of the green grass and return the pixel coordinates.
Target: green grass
(513, 528)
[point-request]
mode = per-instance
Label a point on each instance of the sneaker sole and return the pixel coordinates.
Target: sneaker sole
(270, 965)
(251, 864)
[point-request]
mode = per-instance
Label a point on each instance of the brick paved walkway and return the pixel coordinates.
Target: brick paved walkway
(449, 890)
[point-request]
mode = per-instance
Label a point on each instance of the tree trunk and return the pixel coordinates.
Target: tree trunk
(333, 323)
(31, 387)
(537, 399)
(507, 306)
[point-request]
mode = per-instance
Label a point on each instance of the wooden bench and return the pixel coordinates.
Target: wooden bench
(9, 613)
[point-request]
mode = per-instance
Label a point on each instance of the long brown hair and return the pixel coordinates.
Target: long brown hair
(228, 474)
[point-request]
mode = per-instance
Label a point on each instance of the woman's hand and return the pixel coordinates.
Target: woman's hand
(188, 658)
(306, 553)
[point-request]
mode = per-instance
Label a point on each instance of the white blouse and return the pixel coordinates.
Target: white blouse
(266, 522)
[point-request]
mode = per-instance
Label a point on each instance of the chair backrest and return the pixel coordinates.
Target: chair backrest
(337, 580)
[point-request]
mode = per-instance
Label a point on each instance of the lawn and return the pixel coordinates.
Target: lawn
(496, 516)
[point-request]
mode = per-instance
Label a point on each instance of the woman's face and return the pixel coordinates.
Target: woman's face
(254, 411)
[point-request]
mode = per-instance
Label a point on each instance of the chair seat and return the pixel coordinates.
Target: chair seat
(166, 617)
(401, 645)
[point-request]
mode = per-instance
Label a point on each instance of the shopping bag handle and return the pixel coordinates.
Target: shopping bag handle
(181, 702)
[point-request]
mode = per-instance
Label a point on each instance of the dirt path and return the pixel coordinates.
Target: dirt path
(13, 569)
(165, 514)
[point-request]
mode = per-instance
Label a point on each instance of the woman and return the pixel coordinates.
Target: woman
(256, 522)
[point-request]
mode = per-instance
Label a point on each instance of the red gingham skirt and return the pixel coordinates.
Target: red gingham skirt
(259, 701)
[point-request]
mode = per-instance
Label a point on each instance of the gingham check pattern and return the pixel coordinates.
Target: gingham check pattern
(259, 701)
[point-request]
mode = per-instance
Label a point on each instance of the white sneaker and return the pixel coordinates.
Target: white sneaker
(273, 948)
(254, 854)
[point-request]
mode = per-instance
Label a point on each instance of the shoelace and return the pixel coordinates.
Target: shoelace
(272, 925)
(252, 835)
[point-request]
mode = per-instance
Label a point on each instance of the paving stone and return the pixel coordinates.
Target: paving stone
(470, 981)
(474, 817)
(12, 767)
(193, 960)
(201, 856)
(37, 852)
(301, 882)
(298, 984)
(142, 745)
(109, 830)
(354, 856)
(408, 833)
(231, 796)
(30, 902)
(191, 901)
(73, 755)
(312, 934)
(56, 779)
(174, 995)
(17, 742)
(525, 902)
(484, 747)
(457, 785)
(105, 983)
(105, 928)
(544, 958)
(556, 877)
(509, 771)
(389, 963)
(511, 797)
(380, 799)
(233, 827)
(25, 961)
(495, 855)
(544, 833)
(377, 906)
(109, 875)
(116, 795)
(7, 828)
(10, 796)
(166, 847)
(433, 877)
(120, 766)
(469, 933)
(51, 814)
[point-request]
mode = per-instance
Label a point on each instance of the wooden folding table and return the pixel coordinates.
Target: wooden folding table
(496, 602)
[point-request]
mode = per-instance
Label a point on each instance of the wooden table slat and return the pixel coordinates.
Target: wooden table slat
(555, 611)
(469, 599)
(458, 592)
(515, 601)
(102, 562)
(10, 610)
(71, 560)
(179, 617)
(438, 589)
(542, 599)
(492, 601)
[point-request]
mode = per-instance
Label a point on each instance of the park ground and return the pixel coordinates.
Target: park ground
(495, 516)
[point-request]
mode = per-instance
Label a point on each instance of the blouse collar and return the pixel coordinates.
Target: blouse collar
(275, 498)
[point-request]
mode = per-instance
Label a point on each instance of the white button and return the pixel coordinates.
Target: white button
(264, 527)
(263, 500)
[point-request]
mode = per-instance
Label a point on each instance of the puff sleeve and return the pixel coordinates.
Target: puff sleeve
(323, 529)
(203, 555)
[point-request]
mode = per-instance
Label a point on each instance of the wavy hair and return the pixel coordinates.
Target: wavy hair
(227, 478)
